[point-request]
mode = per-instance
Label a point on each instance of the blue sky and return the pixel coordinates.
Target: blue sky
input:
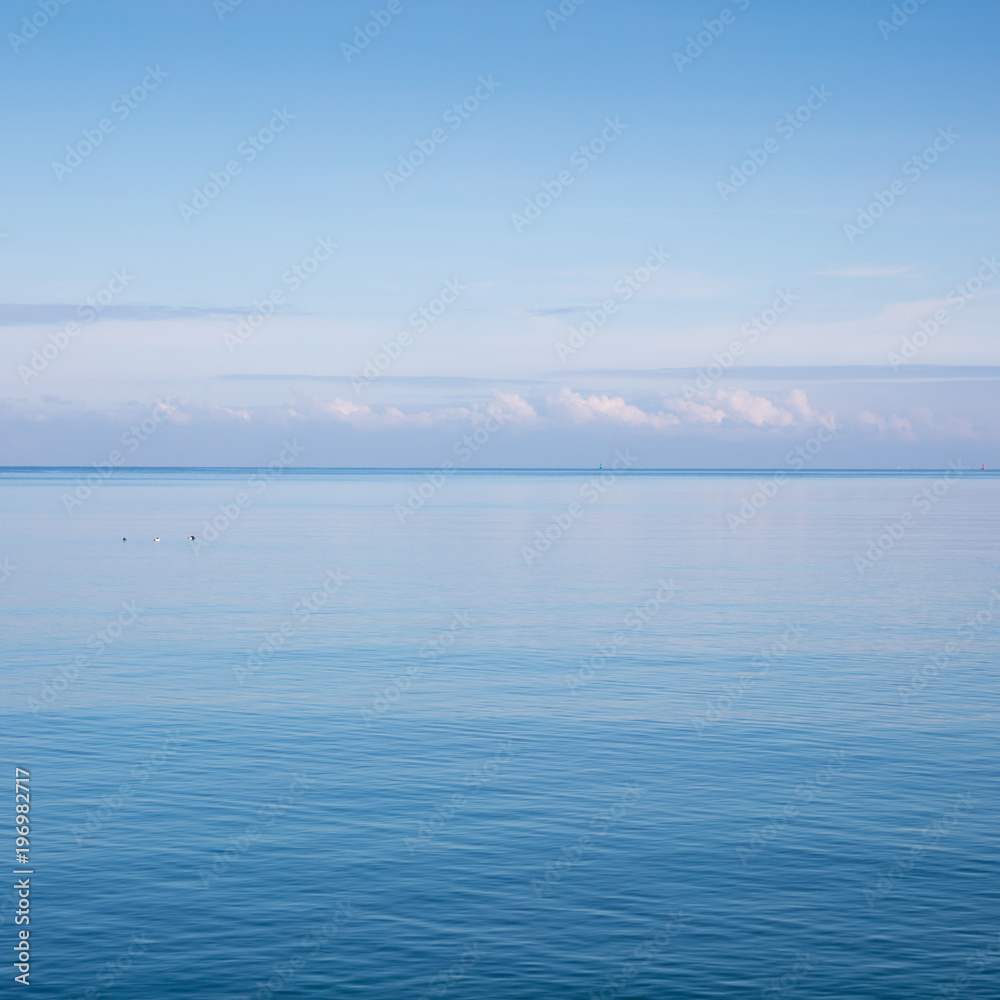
(623, 150)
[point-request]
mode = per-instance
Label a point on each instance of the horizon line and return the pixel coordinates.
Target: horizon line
(669, 470)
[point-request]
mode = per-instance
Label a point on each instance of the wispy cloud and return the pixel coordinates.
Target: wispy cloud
(560, 310)
(874, 422)
(679, 285)
(27, 314)
(510, 406)
(817, 373)
(864, 271)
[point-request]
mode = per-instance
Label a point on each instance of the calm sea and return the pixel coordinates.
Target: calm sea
(504, 734)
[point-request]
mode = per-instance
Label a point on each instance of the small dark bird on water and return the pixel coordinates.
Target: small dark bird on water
(124, 539)
(190, 538)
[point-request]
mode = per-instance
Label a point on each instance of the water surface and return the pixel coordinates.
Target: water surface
(352, 743)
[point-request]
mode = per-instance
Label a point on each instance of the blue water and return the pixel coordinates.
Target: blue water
(434, 783)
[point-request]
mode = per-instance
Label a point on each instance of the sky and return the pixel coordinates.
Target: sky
(709, 234)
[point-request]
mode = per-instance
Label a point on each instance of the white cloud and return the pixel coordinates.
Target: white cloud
(740, 406)
(756, 410)
(696, 412)
(714, 408)
(872, 421)
(189, 411)
(606, 409)
(799, 402)
(510, 406)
